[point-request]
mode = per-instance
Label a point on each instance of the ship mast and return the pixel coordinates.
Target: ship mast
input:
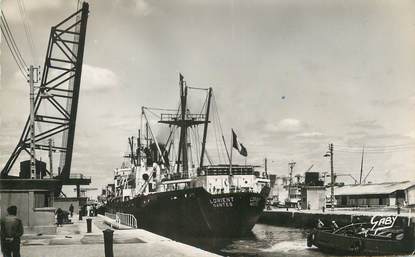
(183, 120)
(205, 128)
(183, 127)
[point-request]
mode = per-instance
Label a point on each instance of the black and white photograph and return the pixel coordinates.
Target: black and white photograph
(184, 128)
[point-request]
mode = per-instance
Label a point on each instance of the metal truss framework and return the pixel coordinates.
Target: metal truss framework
(59, 86)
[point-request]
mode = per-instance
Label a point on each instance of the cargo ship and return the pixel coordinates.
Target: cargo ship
(170, 190)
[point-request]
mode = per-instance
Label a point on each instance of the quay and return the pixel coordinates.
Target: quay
(73, 240)
(342, 217)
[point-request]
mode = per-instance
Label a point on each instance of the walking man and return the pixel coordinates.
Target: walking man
(71, 210)
(11, 229)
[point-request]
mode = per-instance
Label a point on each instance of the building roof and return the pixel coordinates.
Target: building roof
(373, 188)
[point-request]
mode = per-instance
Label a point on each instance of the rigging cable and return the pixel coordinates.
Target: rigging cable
(198, 147)
(160, 109)
(155, 114)
(190, 149)
(28, 32)
(11, 38)
(13, 54)
(196, 143)
(208, 157)
(196, 131)
(368, 147)
(11, 43)
(376, 149)
(198, 88)
(220, 126)
(217, 145)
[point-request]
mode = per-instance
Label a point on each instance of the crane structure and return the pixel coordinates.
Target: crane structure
(58, 93)
(309, 168)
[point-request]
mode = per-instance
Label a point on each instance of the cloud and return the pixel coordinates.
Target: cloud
(134, 7)
(288, 125)
(142, 7)
(387, 102)
(13, 14)
(42, 4)
(367, 124)
(98, 79)
(411, 134)
(313, 134)
(358, 133)
(378, 139)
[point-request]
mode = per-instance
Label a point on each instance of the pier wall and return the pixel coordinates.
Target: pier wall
(306, 219)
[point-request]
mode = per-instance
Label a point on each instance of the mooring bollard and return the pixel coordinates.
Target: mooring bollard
(80, 215)
(88, 225)
(108, 241)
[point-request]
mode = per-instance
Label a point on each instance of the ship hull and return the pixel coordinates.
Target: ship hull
(194, 211)
(353, 245)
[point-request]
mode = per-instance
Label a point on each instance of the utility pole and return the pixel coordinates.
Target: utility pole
(32, 123)
(361, 165)
(266, 166)
(50, 141)
(291, 166)
(332, 176)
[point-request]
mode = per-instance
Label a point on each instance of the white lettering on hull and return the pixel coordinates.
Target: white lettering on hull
(222, 202)
(380, 223)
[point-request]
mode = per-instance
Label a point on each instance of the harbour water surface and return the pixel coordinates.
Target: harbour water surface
(265, 241)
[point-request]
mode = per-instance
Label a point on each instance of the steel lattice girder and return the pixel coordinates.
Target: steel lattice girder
(61, 79)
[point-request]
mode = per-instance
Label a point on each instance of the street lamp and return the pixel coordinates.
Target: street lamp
(329, 153)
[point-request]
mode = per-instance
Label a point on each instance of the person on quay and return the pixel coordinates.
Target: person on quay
(11, 229)
(71, 210)
(59, 217)
(88, 210)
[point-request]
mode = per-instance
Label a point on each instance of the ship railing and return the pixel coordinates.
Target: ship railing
(176, 176)
(78, 176)
(126, 219)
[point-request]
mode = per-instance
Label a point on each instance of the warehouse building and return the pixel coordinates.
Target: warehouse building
(376, 194)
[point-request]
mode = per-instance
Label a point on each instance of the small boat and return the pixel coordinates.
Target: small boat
(380, 236)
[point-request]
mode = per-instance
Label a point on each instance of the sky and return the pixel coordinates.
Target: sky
(290, 76)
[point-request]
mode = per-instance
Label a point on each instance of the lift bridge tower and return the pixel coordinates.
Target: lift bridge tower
(58, 93)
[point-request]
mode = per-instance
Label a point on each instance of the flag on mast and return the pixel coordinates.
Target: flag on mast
(238, 146)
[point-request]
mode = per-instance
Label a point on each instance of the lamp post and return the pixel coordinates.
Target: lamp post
(330, 154)
(291, 166)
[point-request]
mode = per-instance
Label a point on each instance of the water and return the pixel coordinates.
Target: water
(265, 241)
(269, 240)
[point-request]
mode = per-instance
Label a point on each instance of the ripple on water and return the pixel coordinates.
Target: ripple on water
(287, 246)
